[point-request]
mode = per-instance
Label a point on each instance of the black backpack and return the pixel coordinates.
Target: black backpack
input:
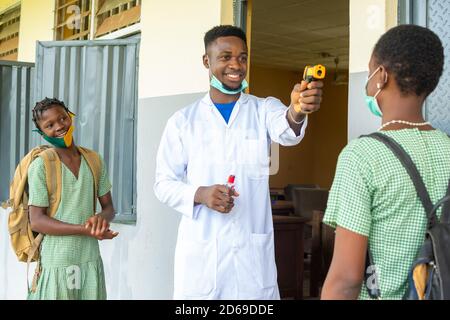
(429, 277)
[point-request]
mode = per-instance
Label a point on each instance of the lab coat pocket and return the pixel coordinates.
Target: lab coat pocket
(200, 261)
(264, 257)
(254, 158)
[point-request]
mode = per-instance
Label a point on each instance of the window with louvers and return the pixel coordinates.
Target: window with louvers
(9, 33)
(72, 19)
(90, 19)
(113, 15)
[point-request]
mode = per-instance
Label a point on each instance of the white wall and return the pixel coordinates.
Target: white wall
(369, 19)
(172, 46)
(36, 23)
(13, 281)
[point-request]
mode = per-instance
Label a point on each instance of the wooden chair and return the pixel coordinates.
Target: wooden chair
(277, 194)
(289, 189)
(282, 208)
(322, 246)
(306, 201)
(288, 235)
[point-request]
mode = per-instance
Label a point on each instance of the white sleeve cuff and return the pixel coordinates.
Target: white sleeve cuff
(188, 208)
(285, 133)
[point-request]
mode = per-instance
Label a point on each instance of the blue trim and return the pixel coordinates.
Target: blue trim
(225, 109)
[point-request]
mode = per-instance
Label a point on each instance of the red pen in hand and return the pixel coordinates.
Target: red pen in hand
(230, 182)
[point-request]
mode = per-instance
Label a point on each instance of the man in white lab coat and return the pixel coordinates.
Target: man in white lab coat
(225, 247)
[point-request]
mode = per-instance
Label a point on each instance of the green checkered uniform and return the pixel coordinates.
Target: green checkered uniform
(373, 195)
(71, 265)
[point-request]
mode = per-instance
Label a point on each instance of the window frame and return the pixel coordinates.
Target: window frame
(13, 38)
(93, 21)
(62, 24)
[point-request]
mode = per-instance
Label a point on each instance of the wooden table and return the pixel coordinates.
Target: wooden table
(289, 248)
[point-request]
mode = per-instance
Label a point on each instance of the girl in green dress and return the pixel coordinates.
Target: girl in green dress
(70, 265)
(373, 201)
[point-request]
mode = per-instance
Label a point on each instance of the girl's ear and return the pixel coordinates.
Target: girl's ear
(383, 77)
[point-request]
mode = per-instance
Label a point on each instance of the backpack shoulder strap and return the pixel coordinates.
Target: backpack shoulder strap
(52, 165)
(445, 215)
(411, 168)
(20, 179)
(93, 160)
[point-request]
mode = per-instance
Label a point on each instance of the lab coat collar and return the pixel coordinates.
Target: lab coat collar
(207, 99)
(210, 104)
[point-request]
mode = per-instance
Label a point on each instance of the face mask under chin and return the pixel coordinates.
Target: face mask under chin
(216, 83)
(60, 142)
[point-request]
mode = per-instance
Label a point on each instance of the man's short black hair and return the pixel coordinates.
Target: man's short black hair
(46, 104)
(414, 55)
(223, 31)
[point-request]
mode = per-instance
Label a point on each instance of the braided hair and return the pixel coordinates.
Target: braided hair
(44, 105)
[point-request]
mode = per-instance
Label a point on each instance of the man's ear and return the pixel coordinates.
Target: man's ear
(206, 61)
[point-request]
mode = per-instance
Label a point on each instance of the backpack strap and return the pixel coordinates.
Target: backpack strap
(95, 165)
(411, 168)
(31, 252)
(53, 179)
(20, 178)
(445, 215)
(52, 165)
(421, 190)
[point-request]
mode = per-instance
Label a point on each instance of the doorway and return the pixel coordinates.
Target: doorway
(285, 36)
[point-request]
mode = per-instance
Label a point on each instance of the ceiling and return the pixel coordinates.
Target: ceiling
(289, 34)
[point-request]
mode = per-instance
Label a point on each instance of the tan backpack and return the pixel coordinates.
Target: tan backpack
(24, 241)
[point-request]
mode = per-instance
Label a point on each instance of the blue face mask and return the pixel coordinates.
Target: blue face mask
(372, 102)
(219, 86)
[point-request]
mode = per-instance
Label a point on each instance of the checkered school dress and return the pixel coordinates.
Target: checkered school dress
(373, 195)
(71, 265)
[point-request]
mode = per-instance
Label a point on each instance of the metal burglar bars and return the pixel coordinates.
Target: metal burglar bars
(98, 81)
(89, 19)
(116, 14)
(433, 14)
(16, 89)
(72, 19)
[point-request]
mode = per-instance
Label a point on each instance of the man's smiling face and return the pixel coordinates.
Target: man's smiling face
(226, 58)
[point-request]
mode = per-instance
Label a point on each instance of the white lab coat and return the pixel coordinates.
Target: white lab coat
(223, 256)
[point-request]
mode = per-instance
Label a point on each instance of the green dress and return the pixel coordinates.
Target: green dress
(72, 267)
(373, 195)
